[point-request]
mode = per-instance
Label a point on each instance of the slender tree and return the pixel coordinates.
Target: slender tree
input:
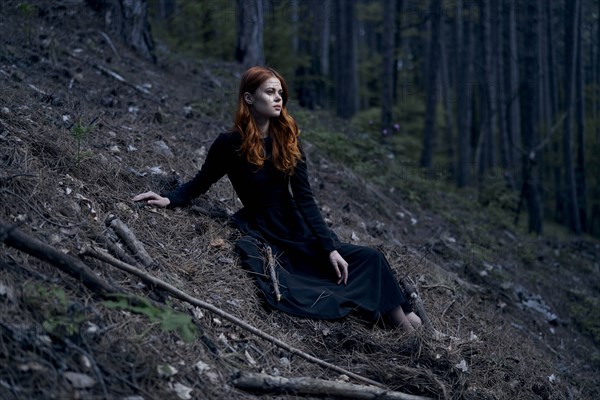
(324, 18)
(580, 181)
(249, 49)
(464, 94)
(529, 94)
(513, 111)
(444, 76)
(571, 7)
(346, 70)
(505, 147)
(485, 147)
(552, 108)
(431, 84)
(388, 64)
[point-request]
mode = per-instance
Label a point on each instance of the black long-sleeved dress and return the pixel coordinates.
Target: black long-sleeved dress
(291, 224)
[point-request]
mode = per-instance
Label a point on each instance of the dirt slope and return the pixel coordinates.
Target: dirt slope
(77, 143)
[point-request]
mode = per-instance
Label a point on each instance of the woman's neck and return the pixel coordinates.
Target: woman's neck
(262, 123)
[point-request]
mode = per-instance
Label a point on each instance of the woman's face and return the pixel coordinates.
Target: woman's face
(267, 99)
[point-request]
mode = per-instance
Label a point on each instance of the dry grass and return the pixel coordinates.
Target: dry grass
(52, 196)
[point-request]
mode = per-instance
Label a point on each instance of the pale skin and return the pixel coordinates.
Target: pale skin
(265, 103)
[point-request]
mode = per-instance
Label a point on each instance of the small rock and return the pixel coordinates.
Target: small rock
(182, 391)
(201, 367)
(226, 260)
(5, 110)
(79, 381)
(285, 362)
(166, 371)
(7, 291)
(462, 365)
(160, 147)
(354, 237)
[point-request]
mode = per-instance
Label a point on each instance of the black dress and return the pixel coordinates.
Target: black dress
(292, 225)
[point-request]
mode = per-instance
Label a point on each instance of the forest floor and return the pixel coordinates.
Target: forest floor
(76, 143)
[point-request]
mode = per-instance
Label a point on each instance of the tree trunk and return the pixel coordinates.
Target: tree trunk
(571, 7)
(529, 94)
(580, 181)
(389, 60)
(166, 8)
(324, 8)
(463, 176)
(513, 112)
(346, 77)
(129, 20)
(249, 50)
(505, 147)
(294, 20)
(553, 111)
(488, 122)
(444, 76)
(431, 85)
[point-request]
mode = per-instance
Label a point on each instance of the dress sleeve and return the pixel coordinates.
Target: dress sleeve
(305, 200)
(214, 167)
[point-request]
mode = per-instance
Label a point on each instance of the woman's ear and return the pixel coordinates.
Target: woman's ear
(248, 98)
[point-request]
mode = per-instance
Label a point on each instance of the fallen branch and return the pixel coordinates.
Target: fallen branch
(136, 247)
(411, 290)
(119, 78)
(272, 274)
(179, 294)
(412, 293)
(14, 237)
(312, 386)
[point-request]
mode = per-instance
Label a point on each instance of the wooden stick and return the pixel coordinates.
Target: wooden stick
(411, 291)
(14, 237)
(104, 256)
(130, 240)
(312, 386)
(271, 268)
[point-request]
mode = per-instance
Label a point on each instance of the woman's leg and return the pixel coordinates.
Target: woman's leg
(414, 319)
(399, 318)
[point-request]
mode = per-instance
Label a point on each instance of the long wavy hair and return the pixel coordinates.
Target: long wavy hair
(283, 129)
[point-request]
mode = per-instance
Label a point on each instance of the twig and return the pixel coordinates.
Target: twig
(38, 212)
(448, 307)
(93, 363)
(119, 78)
(36, 89)
(14, 237)
(411, 290)
(103, 256)
(312, 386)
(110, 43)
(130, 240)
(438, 286)
(271, 268)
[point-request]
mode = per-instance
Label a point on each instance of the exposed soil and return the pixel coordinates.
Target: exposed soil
(522, 307)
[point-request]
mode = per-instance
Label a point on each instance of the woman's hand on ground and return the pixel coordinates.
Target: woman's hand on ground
(153, 199)
(340, 265)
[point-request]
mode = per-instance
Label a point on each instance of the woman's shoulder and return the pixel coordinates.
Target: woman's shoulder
(231, 138)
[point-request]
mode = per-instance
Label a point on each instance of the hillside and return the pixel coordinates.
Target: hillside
(85, 124)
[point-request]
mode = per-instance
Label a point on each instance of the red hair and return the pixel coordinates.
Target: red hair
(283, 129)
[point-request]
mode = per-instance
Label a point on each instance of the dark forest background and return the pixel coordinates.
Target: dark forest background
(499, 95)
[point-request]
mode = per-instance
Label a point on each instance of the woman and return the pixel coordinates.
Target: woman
(319, 277)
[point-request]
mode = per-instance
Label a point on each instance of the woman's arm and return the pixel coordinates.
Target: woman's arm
(214, 167)
(305, 201)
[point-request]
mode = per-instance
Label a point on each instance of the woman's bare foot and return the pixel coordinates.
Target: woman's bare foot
(414, 320)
